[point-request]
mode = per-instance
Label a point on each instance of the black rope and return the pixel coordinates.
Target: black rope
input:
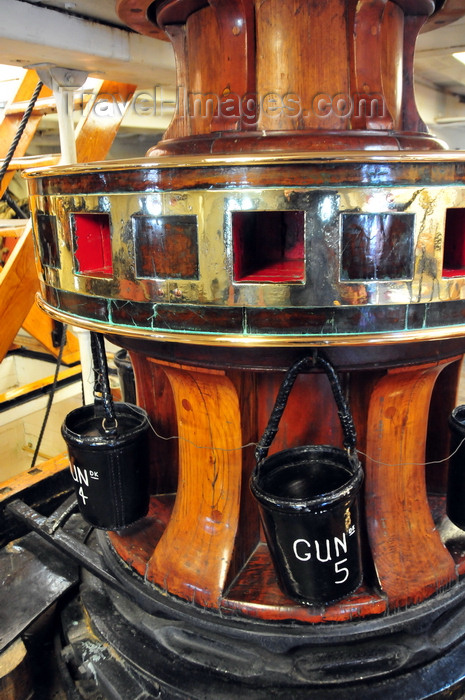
(51, 396)
(20, 130)
(304, 365)
(102, 391)
(345, 416)
(13, 205)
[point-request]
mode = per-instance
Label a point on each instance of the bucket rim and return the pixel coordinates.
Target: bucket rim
(91, 410)
(454, 419)
(321, 502)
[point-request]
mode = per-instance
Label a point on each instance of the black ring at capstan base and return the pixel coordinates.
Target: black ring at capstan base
(281, 636)
(201, 654)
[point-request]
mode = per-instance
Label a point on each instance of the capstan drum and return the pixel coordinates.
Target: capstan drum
(296, 202)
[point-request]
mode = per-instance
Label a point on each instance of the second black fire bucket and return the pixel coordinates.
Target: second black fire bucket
(110, 470)
(108, 452)
(308, 502)
(125, 375)
(456, 474)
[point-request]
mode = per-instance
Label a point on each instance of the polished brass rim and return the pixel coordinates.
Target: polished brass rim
(406, 158)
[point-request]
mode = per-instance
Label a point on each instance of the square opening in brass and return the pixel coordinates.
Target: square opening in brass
(268, 246)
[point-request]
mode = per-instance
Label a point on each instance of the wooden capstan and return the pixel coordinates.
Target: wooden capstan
(282, 76)
(296, 201)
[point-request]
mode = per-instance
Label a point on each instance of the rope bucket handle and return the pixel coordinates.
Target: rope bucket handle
(102, 392)
(318, 359)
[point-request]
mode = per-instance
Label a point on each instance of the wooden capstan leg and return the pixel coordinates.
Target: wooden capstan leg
(410, 559)
(192, 558)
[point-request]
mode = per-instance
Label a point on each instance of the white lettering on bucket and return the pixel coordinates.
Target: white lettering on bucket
(341, 570)
(303, 552)
(83, 495)
(78, 475)
(305, 556)
(328, 551)
(302, 549)
(82, 477)
(342, 543)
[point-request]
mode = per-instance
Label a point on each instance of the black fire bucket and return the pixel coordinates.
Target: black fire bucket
(108, 451)
(308, 501)
(456, 476)
(126, 376)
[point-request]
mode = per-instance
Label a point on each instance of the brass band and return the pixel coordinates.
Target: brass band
(355, 262)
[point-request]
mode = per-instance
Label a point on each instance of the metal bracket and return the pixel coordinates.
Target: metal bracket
(66, 78)
(50, 530)
(64, 82)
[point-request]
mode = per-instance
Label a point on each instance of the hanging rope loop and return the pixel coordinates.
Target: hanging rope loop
(102, 391)
(317, 359)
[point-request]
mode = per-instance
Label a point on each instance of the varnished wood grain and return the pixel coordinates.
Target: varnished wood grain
(179, 125)
(248, 529)
(94, 134)
(411, 119)
(19, 284)
(301, 51)
(136, 546)
(290, 57)
(198, 550)
(155, 395)
(410, 559)
(194, 553)
(448, 11)
(310, 416)
(18, 279)
(360, 170)
(218, 36)
(367, 68)
(443, 400)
